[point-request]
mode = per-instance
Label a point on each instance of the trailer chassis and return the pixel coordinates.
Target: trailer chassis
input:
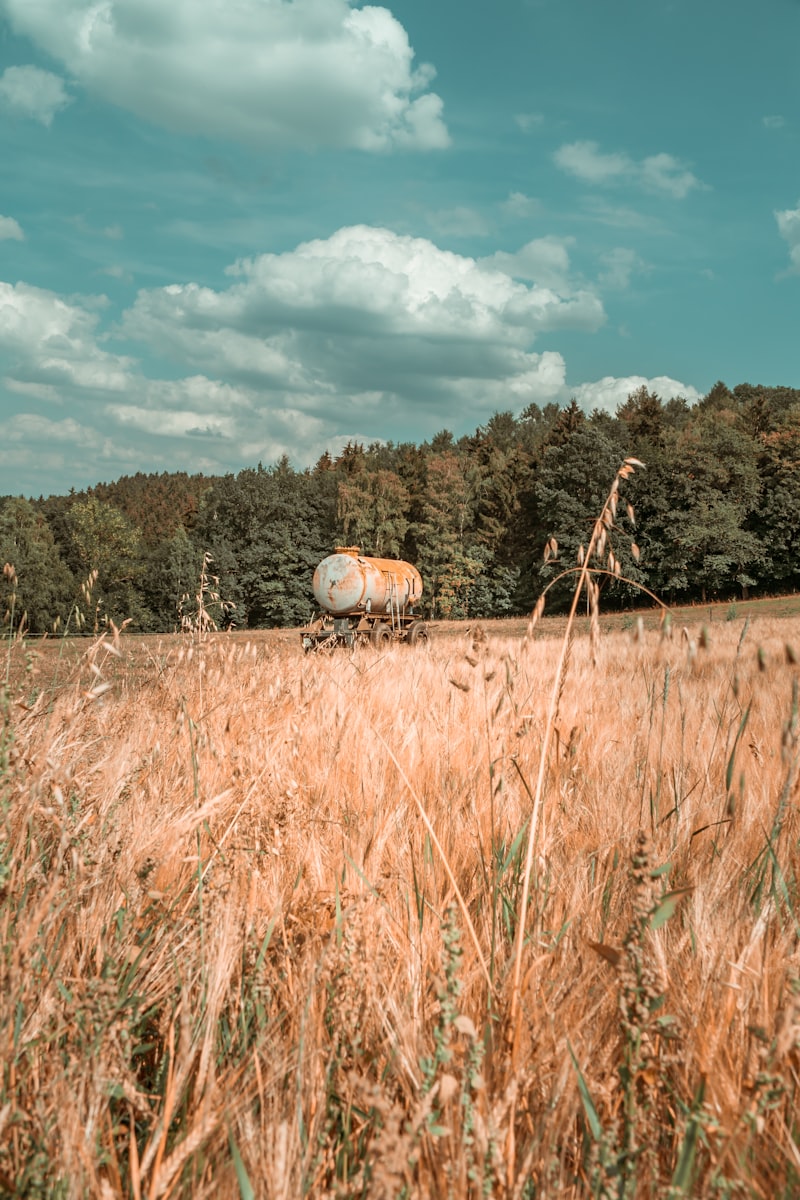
(380, 630)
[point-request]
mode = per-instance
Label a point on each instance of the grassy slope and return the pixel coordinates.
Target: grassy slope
(231, 949)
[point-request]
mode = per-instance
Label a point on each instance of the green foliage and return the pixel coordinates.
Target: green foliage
(372, 510)
(717, 516)
(158, 505)
(571, 487)
(443, 534)
(44, 585)
(266, 531)
(171, 570)
(104, 541)
(242, 1178)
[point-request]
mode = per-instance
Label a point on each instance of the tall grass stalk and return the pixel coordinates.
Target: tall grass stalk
(596, 547)
(11, 576)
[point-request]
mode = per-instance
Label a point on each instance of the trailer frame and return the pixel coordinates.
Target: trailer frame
(380, 630)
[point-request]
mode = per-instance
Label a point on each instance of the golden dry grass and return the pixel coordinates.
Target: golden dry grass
(232, 956)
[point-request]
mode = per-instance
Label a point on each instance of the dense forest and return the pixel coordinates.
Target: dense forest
(717, 513)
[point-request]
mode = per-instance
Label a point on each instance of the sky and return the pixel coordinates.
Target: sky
(236, 229)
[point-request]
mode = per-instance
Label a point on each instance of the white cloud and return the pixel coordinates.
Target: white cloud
(663, 173)
(789, 229)
(48, 340)
(365, 327)
(657, 173)
(366, 334)
(46, 457)
(619, 265)
(364, 304)
(30, 426)
(10, 230)
(773, 122)
(611, 391)
(36, 391)
(619, 216)
(116, 271)
(32, 92)
(519, 206)
(545, 261)
(173, 424)
(266, 72)
(585, 161)
(529, 121)
(459, 222)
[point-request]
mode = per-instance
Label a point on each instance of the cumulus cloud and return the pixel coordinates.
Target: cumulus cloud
(773, 122)
(10, 230)
(30, 426)
(32, 92)
(366, 309)
(657, 173)
(174, 424)
(545, 261)
(789, 229)
(266, 72)
(367, 333)
(611, 391)
(48, 340)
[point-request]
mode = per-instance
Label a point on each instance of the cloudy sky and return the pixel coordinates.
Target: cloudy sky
(233, 229)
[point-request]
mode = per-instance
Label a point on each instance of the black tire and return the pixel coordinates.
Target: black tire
(380, 636)
(418, 634)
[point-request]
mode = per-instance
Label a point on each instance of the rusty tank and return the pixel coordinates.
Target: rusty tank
(365, 600)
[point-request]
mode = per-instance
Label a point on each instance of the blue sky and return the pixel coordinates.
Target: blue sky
(234, 229)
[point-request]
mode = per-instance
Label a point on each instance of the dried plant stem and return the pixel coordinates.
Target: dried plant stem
(616, 578)
(11, 575)
(599, 533)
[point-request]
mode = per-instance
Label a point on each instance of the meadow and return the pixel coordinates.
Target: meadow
(260, 916)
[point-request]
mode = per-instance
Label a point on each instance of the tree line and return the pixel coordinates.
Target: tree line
(717, 513)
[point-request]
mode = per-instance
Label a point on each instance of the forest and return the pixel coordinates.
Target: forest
(715, 515)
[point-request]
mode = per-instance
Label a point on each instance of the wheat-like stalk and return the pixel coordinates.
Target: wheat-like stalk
(598, 545)
(273, 936)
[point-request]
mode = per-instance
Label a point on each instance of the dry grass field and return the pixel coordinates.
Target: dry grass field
(260, 917)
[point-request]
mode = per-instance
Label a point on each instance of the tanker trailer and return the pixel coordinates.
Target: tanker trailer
(364, 600)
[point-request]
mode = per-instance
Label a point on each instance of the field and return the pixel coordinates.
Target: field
(260, 915)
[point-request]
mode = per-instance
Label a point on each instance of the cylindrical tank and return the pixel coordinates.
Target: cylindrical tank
(347, 582)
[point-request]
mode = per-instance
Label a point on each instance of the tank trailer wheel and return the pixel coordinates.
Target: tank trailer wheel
(418, 634)
(380, 636)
